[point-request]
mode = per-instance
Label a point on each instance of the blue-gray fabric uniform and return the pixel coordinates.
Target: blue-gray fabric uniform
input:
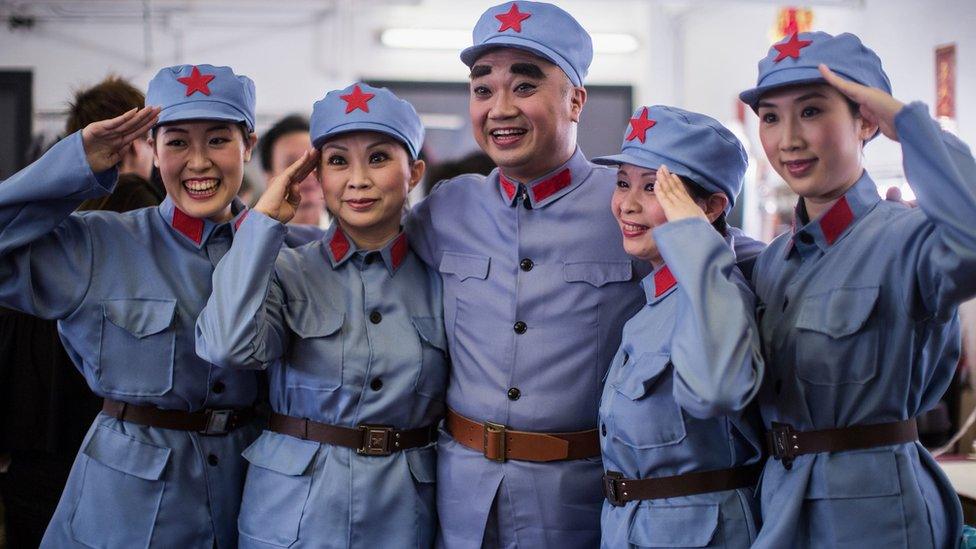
(560, 268)
(860, 327)
(126, 289)
(676, 395)
(349, 337)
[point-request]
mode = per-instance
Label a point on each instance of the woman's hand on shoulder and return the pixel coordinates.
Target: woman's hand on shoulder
(105, 141)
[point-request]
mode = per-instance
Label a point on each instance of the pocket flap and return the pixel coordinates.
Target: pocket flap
(838, 313)
(423, 464)
(140, 317)
(674, 526)
(431, 329)
(465, 266)
(598, 273)
(855, 474)
(308, 320)
(637, 378)
(281, 453)
(126, 454)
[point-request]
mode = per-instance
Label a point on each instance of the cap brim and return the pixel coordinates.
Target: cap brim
(781, 79)
(471, 54)
(197, 110)
(365, 127)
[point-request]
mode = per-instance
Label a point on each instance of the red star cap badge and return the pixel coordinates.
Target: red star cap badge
(512, 19)
(639, 126)
(196, 82)
(357, 100)
(790, 48)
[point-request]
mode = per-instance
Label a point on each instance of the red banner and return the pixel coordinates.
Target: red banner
(945, 81)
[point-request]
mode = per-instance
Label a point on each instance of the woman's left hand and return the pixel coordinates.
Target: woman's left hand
(674, 198)
(876, 105)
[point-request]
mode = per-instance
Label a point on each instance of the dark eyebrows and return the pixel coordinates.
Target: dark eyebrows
(528, 69)
(804, 97)
(478, 71)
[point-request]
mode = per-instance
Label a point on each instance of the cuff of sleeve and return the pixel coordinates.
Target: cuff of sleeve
(257, 221)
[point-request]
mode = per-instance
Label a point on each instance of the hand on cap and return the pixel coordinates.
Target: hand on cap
(281, 199)
(105, 141)
(674, 198)
(876, 106)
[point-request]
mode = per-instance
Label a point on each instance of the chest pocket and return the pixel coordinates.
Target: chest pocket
(837, 341)
(432, 378)
(465, 266)
(314, 357)
(598, 273)
(644, 413)
(136, 348)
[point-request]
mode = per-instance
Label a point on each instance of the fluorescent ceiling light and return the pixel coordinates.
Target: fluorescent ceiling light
(450, 39)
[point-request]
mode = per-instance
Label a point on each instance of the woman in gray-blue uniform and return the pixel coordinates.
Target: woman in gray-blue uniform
(859, 301)
(350, 329)
(161, 464)
(681, 447)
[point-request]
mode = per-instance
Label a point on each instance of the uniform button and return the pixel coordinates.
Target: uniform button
(520, 327)
(603, 429)
(375, 317)
(218, 387)
(526, 264)
(806, 238)
(514, 393)
(376, 384)
(212, 460)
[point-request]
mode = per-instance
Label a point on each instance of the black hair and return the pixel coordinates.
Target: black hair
(699, 192)
(289, 124)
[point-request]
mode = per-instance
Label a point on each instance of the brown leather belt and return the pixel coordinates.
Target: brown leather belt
(619, 490)
(498, 443)
(784, 444)
(208, 421)
(367, 440)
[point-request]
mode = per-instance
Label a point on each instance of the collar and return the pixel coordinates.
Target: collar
(339, 248)
(197, 230)
(834, 224)
(550, 187)
(658, 284)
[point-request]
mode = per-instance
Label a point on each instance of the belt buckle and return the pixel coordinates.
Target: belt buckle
(782, 443)
(377, 440)
(218, 422)
(495, 429)
(611, 490)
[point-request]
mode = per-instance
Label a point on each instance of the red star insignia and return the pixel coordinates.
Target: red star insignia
(790, 48)
(639, 126)
(357, 100)
(512, 19)
(196, 82)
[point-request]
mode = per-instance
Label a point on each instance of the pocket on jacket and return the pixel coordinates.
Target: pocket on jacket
(465, 266)
(836, 341)
(432, 377)
(644, 413)
(137, 346)
(277, 488)
(674, 526)
(597, 273)
(315, 350)
(122, 485)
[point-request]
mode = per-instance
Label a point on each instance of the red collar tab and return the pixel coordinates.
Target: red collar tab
(512, 19)
(639, 127)
(240, 219)
(190, 227)
(357, 99)
(507, 186)
(790, 48)
(398, 251)
(836, 220)
(196, 82)
(548, 187)
(339, 246)
(663, 281)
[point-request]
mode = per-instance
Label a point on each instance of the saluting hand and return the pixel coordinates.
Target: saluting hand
(281, 199)
(674, 198)
(105, 141)
(876, 105)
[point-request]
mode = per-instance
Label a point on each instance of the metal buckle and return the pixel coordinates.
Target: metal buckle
(783, 443)
(218, 422)
(499, 430)
(377, 440)
(610, 489)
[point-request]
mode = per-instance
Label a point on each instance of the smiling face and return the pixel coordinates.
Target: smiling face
(524, 112)
(813, 141)
(366, 177)
(637, 211)
(201, 163)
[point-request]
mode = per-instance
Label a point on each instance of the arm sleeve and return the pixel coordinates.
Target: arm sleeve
(419, 226)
